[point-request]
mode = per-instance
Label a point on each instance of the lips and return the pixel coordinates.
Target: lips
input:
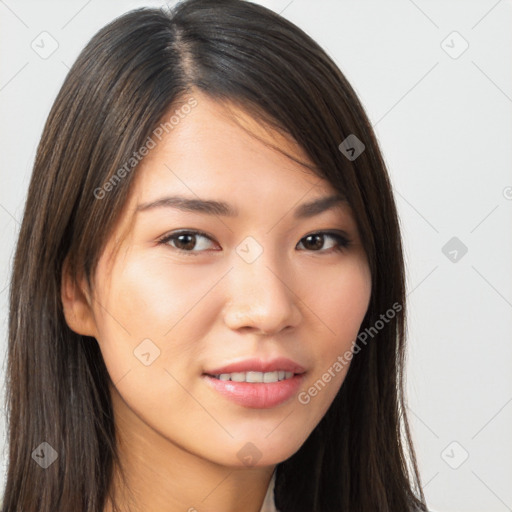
(255, 383)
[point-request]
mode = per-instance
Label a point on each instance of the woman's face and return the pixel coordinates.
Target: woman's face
(261, 294)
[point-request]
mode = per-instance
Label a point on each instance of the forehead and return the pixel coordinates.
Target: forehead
(221, 147)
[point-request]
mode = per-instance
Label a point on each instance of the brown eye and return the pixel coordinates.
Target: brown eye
(315, 241)
(186, 241)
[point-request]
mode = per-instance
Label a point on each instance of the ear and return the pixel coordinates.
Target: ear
(77, 304)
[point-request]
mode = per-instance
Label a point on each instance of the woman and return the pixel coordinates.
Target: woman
(207, 301)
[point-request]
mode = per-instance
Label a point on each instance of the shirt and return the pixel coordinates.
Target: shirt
(268, 502)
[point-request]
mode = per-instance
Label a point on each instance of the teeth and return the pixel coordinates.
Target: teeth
(255, 376)
(270, 376)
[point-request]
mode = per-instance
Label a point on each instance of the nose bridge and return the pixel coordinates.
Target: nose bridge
(261, 295)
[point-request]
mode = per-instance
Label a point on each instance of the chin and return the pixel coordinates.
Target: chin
(261, 451)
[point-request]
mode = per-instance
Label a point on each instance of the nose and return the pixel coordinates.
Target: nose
(261, 298)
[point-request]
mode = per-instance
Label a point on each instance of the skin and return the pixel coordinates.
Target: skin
(178, 439)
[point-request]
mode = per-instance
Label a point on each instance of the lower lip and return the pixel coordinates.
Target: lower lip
(257, 395)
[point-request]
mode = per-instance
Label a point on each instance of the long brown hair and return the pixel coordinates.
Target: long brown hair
(130, 73)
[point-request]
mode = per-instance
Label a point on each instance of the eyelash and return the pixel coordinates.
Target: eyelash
(341, 245)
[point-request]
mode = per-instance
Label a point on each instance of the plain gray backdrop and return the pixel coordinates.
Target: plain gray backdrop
(436, 81)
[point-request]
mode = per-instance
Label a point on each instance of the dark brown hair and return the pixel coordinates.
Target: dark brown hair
(130, 73)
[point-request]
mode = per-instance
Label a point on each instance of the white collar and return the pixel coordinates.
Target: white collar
(268, 502)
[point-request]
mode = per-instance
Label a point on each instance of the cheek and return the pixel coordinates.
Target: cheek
(150, 298)
(340, 307)
(154, 294)
(340, 301)
(146, 334)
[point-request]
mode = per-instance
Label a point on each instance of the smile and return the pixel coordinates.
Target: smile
(256, 394)
(275, 376)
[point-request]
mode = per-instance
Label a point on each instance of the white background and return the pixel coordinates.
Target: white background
(444, 126)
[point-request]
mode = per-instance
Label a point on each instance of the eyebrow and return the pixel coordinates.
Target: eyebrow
(212, 207)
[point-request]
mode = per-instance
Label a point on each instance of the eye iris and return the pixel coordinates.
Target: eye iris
(189, 245)
(319, 240)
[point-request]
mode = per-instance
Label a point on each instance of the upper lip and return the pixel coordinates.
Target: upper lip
(259, 365)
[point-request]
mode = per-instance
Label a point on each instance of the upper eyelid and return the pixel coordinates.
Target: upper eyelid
(186, 232)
